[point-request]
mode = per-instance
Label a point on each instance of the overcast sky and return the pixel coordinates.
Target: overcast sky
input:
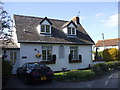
(95, 17)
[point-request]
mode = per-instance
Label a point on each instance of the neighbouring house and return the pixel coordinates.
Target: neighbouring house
(10, 51)
(57, 43)
(107, 44)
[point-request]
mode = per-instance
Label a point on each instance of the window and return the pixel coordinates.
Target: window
(61, 52)
(46, 52)
(45, 29)
(74, 52)
(13, 57)
(71, 31)
(42, 28)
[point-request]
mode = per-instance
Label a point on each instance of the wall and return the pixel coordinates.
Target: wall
(107, 47)
(28, 50)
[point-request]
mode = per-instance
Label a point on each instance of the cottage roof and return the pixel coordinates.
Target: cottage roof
(10, 45)
(108, 42)
(27, 32)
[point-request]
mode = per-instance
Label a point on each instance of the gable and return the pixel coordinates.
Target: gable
(46, 21)
(71, 25)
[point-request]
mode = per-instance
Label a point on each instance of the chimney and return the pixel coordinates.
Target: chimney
(76, 20)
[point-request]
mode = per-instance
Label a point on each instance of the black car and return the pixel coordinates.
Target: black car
(34, 71)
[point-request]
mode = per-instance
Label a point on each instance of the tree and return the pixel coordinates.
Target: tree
(106, 55)
(6, 24)
(111, 54)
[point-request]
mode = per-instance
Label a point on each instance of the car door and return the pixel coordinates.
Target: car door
(23, 70)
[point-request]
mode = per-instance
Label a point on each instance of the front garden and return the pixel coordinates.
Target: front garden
(85, 75)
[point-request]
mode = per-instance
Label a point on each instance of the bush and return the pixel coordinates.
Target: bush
(99, 68)
(6, 71)
(113, 64)
(111, 54)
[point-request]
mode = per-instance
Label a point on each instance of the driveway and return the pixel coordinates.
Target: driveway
(109, 80)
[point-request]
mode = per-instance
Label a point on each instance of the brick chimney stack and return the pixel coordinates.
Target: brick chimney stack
(76, 20)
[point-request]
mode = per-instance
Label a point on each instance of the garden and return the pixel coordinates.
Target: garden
(86, 75)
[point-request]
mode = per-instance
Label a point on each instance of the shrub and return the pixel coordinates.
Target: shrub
(111, 54)
(113, 64)
(6, 70)
(99, 68)
(106, 55)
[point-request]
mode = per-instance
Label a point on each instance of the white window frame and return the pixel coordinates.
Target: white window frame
(46, 48)
(13, 57)
(71, 30)
(73, 49)
(45, 25)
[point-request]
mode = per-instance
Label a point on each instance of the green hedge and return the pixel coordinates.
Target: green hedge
(113, 64)
(99, 68)
(6, 71)
(103, 67)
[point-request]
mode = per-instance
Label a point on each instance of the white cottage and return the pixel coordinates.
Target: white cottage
(57, 43)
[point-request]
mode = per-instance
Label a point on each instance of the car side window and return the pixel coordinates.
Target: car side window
(25, 65)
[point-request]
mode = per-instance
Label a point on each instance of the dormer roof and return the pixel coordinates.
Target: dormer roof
(46, 19)
(68, 23)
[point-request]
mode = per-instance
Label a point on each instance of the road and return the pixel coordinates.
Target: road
(109, 80)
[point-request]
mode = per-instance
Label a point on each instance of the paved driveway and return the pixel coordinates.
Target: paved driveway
(110, 80)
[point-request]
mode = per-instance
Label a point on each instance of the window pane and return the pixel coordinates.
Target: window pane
(69, 30)
(71, 52)
(73, 31)
(48, 54)
(42, 28)
(47, 29)
(43, 54)
(15, 57)
(61, 52)
(11, 56)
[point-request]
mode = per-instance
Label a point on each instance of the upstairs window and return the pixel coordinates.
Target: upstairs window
(46, 29)
(71, 31)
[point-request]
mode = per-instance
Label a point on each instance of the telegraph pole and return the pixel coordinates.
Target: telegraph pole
(103, 40)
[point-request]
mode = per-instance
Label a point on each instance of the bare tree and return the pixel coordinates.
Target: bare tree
(6, 24)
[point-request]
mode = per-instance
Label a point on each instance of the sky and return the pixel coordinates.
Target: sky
(95, 17)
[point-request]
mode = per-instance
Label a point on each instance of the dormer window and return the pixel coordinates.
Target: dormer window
(45, 26)
(45, 29)
(71, 31)
(69, 28)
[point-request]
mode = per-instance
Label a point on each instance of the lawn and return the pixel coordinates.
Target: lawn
(74, 75)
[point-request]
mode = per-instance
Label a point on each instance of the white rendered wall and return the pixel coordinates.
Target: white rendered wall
(84, 50)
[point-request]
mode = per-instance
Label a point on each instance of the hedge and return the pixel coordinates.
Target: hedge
(6, 71)
(100, 68)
